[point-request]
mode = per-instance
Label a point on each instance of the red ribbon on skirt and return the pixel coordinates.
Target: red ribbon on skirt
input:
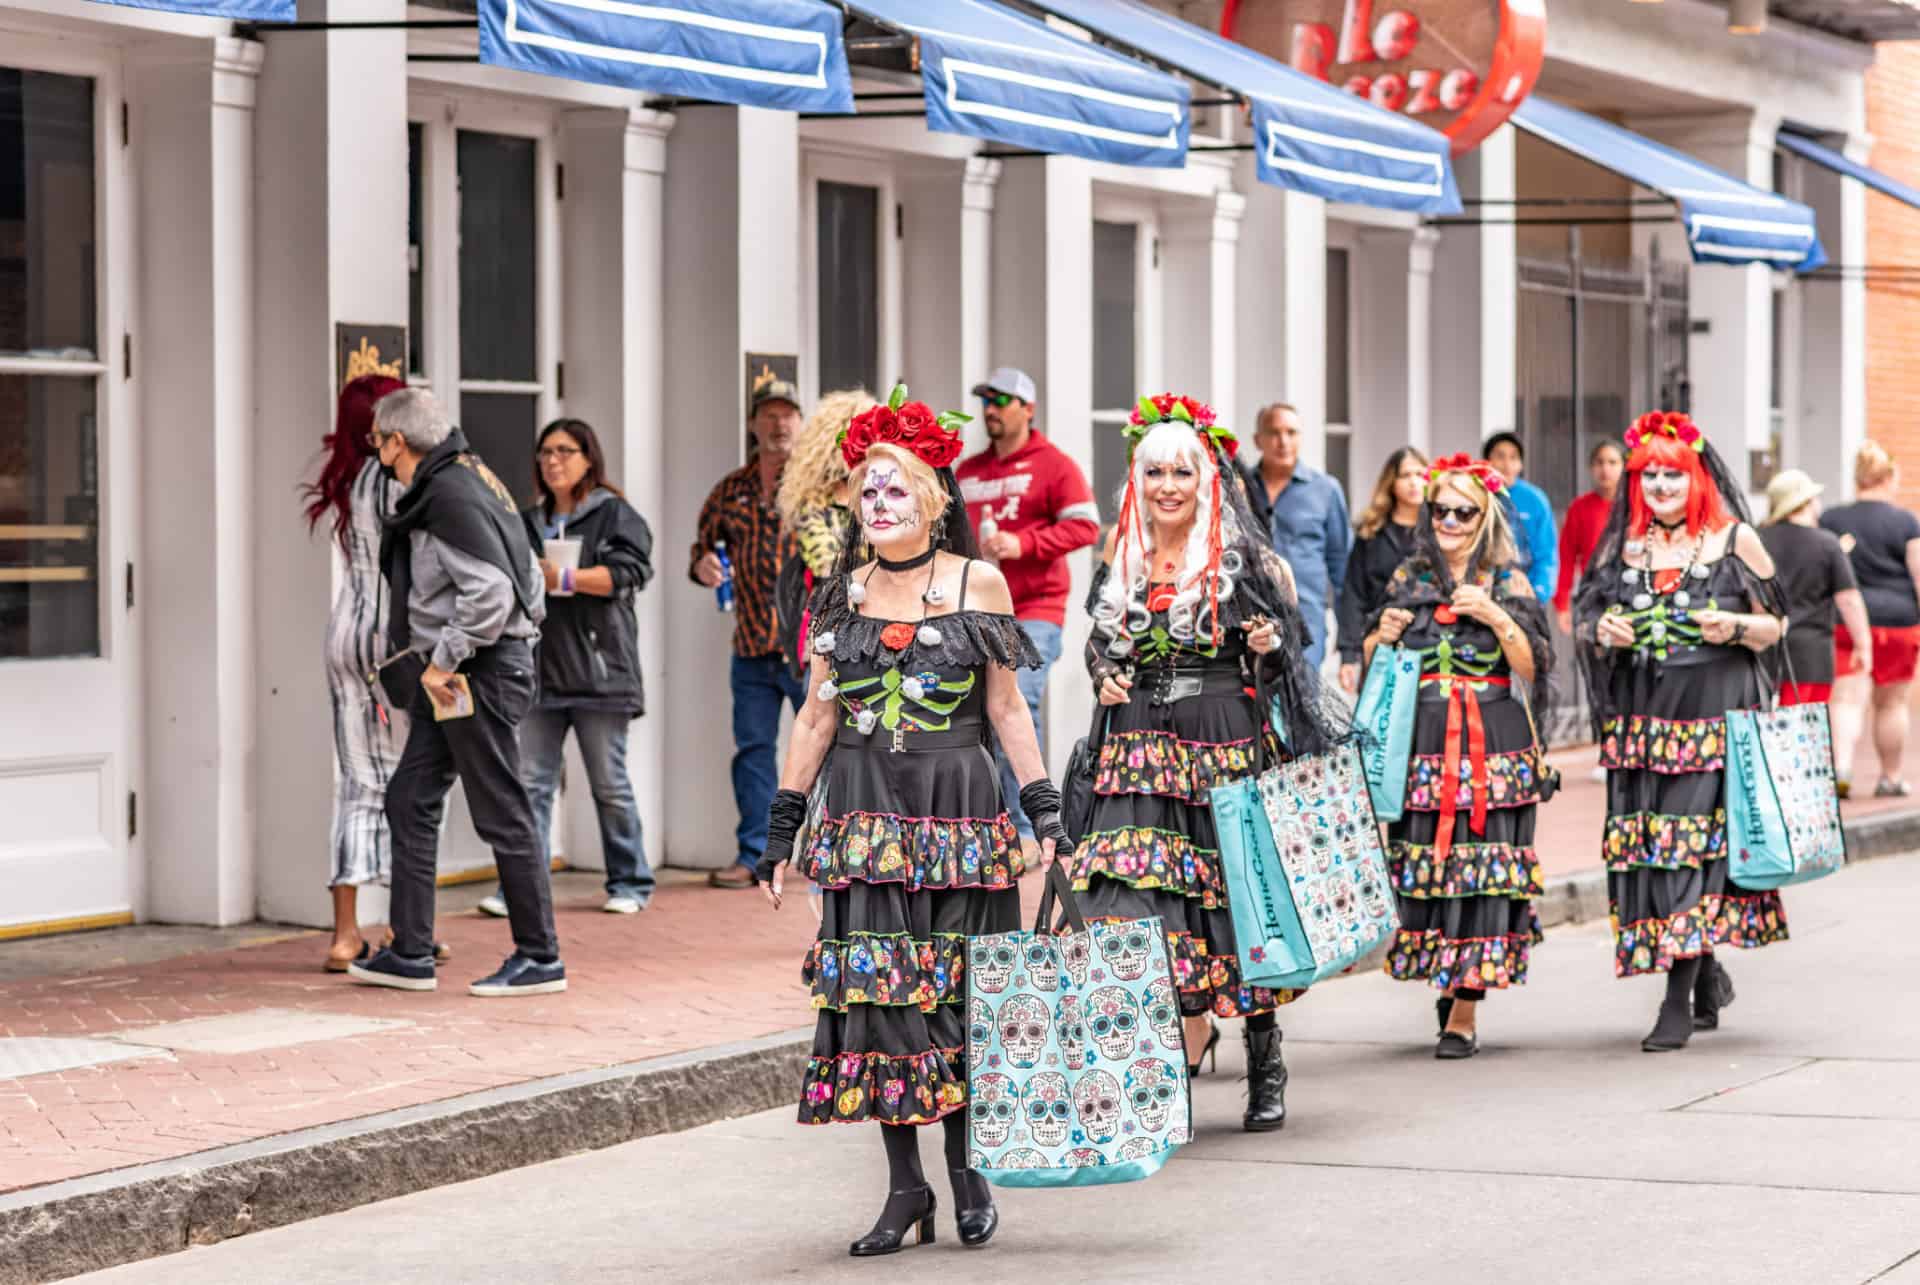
(1463, 715)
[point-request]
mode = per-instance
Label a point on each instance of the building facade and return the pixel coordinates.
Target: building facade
(190, 211)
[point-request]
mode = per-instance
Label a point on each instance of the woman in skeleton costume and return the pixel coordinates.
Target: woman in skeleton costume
(1188, 604)
(915, 646)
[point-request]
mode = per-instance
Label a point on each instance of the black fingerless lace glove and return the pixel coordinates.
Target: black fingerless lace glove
(783, 823)
(1041, 802)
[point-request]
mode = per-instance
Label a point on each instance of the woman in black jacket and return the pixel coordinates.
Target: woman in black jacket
(596, 553)
(1385, 534)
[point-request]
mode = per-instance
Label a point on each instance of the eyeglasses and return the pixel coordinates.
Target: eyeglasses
(373, 439)
(561, 453)
(999, 401)
(1457, 514)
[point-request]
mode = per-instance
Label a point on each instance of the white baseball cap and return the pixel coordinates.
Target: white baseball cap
(1007, 379)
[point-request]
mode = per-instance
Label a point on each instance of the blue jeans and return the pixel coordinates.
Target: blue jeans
(760, 684)
(603, 745)
(1033, 685)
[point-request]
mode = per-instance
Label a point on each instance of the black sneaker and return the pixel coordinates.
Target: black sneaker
(522, 976)
(397, 971)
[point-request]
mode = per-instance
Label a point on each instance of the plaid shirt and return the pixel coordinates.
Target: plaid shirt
(739, 514)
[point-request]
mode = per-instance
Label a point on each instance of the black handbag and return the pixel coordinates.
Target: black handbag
(1546, 777)
(1076, 787)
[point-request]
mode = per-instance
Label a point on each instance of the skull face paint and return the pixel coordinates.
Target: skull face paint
(889, 510)
(1667, 491)
(1024, 1026)
(1047, 1103)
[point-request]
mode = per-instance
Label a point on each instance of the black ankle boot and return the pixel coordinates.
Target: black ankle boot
(1674, 1027)
(974, 1212)
(1713, 992)
(904, 1210)
(1266, 1082)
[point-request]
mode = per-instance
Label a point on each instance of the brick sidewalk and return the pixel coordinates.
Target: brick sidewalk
(699, 968)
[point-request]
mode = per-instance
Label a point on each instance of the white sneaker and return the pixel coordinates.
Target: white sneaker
(494, 904)
(621, 906)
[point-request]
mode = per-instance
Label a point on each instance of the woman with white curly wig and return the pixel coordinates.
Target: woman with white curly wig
(1188, 605)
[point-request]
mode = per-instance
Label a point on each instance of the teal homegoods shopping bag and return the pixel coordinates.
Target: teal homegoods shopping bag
(1783, 812)
(1384, 719)
(1076, 1068)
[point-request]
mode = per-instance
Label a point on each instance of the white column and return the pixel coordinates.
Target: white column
(1379, 279)
(1200, 253)
(612, 266)
(732, 286)
(331, 193)
(1499, 287)
(946, 256)
(1730, 352)
(1419, 325)
(1824, 349)
(979, 179)
(193, 343)
(1280, 309)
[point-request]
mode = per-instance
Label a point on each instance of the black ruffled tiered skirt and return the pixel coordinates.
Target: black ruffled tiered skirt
(1665, 840)
(914, 855)
(1467, 920)
(1152, 848)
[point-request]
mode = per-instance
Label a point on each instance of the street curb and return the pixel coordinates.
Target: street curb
(126, 1215)
(62, 1229)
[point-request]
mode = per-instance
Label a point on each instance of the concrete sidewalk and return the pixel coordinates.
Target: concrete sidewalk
(1784, 1147)
(245, 1081)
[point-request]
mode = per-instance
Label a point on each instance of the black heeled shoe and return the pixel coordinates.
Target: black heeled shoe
(1455, 1047)
(1671, 1030)
(1713, 992)
(974, 1213)
(904, 1210)
(1209, 1052)
(1266, 1083)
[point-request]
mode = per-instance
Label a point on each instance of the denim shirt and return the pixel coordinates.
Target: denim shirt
(1310, 529)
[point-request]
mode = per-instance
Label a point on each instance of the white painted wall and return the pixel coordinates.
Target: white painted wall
(1827, 323)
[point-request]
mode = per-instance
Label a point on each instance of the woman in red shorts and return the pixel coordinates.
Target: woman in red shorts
(1883, 543)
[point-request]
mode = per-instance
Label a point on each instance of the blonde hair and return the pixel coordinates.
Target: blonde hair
(1125, 592)
(815, 470)
(928, 493)
(1380, 508)
(1872, 466)
(1495, 546)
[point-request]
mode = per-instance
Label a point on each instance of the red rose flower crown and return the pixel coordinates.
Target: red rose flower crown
(1482, 472)
(1671, 423)
(911, 426)
(1172, 406)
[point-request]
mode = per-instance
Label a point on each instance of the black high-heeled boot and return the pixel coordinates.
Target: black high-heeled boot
(904, 1211)
(1711, 993)
(1674, 1027)
(974, 1212)
(1266, 1082)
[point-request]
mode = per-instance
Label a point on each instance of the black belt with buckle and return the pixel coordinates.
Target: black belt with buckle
(906, 739)
(1166, 685)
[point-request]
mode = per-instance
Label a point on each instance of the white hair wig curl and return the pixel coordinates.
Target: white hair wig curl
(1122, 606)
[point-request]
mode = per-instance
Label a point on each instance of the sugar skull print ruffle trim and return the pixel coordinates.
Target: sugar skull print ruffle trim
(1511, 782)
(1670, 747)
(1745, 921)
(920, 852)
(1148, 762)
(1146, 858)
(887, 968)
(1661, 842)
(1479, 963)
(1470, 870)
(854, 1088)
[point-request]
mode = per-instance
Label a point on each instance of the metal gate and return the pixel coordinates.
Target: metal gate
(1600, 341)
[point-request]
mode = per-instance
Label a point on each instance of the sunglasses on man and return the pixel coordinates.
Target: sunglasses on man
(1000, 401)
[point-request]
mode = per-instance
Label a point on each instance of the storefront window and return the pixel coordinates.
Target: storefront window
(847, 218)
(499, 258)
(1116, 302)
(49, 464)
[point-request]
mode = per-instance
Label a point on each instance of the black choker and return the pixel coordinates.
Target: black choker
(919, 560)
(1670, 527)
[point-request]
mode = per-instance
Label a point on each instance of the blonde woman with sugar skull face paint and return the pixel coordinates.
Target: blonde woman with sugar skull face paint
(1678, 615)
(1463, 865)
(1189, 603)
(914, 648)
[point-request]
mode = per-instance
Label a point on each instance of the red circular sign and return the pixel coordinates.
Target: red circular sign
(1461, 66)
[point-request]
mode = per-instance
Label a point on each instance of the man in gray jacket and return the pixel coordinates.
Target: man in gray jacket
(468, 600)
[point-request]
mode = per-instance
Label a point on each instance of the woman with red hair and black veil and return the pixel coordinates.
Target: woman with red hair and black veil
(1190, 604)
(1677, 607)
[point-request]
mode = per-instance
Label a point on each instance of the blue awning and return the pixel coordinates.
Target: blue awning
(1727, 221)
(1839, 164)
(785, 54)
(1308, 135)
(233, 10)
(993, 73)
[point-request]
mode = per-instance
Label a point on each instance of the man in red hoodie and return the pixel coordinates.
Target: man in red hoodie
(1030, 507)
